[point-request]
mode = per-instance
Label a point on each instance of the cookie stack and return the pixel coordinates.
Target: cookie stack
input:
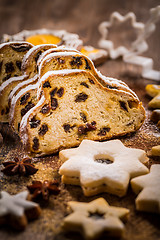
(60, 99)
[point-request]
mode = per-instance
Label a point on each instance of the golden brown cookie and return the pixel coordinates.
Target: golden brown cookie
(148, 190)
(95, 218)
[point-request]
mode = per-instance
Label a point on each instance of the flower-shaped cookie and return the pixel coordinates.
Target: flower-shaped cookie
(148, 186)
(16, 210)
(124, 30)
(102, 166)
(95, 218)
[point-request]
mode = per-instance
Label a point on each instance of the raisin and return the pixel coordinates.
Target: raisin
(83, 129)
(90, 127)
(7, 110)
(35, 143)
(34, 123)
(60, 92)
(27, 108)
(20, 47)
(84, 117)
(76, 61)
(18, 64)
(47, 84)
(24, 99)
(61, 61)
(111, 87)
(2, 111)
(91, 81)
(9, 67)
(67, 127)
(93, 123)
(6, 77)
(1, 65)
(38, 55)
(45, 109)
(53, 92)
(54, 103)
(87, 65)
(18, 126)
(43, 129)
(81, 97)
(123, 106)
(103, 131)
(84, 84)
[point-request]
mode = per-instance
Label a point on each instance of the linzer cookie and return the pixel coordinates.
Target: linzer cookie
(148, 190)
(96, 218)
(102, 167)
(46, 36)
(11, 55)
(16, 210)
(74, 106)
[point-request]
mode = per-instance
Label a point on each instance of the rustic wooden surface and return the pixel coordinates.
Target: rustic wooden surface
(81, 17)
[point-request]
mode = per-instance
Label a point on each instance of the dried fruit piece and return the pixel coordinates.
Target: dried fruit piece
(45, 109)
(81, 97)
(24, 98)
(9, 67)
(34, 123)
(60, 92)
(35, 143)
(43, 129)
(20, 48)
(103, 131)
(54, 103)
(84, 84)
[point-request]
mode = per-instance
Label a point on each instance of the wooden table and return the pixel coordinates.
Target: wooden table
(81, 17)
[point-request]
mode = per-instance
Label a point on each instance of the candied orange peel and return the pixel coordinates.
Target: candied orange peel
(43, 39)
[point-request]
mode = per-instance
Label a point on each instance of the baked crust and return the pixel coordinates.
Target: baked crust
(71, 108)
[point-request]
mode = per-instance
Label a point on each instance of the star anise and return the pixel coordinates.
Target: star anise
(22, 167)
(42, 190)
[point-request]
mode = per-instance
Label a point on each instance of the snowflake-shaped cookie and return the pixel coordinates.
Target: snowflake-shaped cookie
(95, 218)
(102, 166)
(149, 191)
(18, 208)
(119, 34)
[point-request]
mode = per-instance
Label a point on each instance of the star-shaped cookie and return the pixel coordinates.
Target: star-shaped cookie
(149, 191)
(16, 210)
(95, 218)
(102, 166)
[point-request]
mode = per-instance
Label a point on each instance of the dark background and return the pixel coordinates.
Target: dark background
(77, 16)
